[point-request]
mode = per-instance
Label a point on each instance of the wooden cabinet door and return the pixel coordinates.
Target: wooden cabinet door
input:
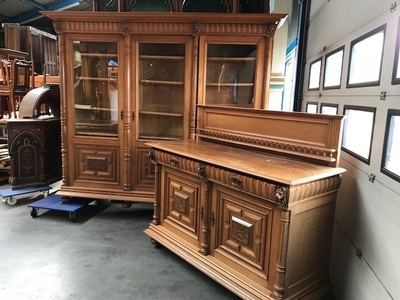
(241, 231)
(161, 102)
(183, 201)
(94, 128)
(232, 70)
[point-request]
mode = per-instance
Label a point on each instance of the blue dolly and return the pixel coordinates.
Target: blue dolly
(8, 195)
(56, 202)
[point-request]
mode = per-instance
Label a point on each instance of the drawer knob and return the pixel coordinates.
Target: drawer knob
(174, 162)
(236, 181)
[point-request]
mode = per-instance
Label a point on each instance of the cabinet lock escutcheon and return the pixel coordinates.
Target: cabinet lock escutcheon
(121, 115)
(133, 116)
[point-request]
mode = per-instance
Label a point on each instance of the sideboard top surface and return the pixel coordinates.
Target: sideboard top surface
(277, 168)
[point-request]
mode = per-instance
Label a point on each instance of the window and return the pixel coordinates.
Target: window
(391, 148)
(333, 69)
(329, 109)
(312, 107)
(358, 127)
(314, 76)
(366, 55)
(396, 65)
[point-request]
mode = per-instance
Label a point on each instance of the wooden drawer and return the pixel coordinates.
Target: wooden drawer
(269, 191)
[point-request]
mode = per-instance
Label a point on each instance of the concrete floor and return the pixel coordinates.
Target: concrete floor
(104, 255)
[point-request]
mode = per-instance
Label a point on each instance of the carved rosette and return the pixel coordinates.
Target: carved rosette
(196, 28)
(241, 231)
(57, 27)
(281, 195)
(152, 155)
(201, 171)
(271, 30)
(181, 203)
(125, 27)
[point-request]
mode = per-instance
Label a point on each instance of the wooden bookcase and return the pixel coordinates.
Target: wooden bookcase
(129, 78)
(251, 202)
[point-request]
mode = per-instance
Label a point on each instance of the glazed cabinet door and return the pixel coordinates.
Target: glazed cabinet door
(231, 71)
(184, 205)
(93, 67)
(241, 233)
(163, 96)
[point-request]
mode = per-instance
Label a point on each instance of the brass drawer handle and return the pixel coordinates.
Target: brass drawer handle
(236, 181)
(174, 162)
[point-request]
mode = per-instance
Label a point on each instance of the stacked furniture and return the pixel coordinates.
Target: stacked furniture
(34, 139)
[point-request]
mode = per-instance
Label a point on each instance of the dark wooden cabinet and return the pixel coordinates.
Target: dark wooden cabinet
(35, 151)
(34, 139)
(251, 201)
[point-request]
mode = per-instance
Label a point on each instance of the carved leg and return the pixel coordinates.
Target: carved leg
(65, 199)
(156, 244)
(126, 204)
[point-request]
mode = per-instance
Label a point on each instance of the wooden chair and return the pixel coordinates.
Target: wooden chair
(5, 86)
(19, 80)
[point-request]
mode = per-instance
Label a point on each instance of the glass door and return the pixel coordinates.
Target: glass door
(95, 88)
(229, 72)
(161, 90)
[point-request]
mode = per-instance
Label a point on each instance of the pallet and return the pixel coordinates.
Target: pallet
(58, 203)
(8, 195)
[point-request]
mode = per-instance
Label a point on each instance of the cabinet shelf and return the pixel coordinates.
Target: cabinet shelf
(163, 57)
(95, 134)
(95, 78)
(160, 113)
(145, 81)
(163, 138)
(106, 128)
(92, 108)
(216, 84)
(94, 54)
(233, 59)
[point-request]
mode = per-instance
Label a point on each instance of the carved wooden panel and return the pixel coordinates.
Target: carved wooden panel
(99, 164)
(307, 136)
(144, 168)
(242, 231)
(309, 250)
(182, 204)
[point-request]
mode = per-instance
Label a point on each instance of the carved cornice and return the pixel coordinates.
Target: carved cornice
(126, 26)
(88, 26)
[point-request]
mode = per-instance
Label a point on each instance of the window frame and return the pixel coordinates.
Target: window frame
(312, 103)
(352, 44)
(391, 174)
(329, 105)
(396, 80)
(359, 108)
(333, 87)
(319, 75)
